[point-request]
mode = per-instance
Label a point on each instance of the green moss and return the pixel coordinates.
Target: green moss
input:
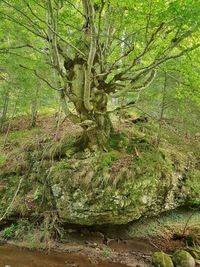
(193, 186)
(62, 149)
(106, 159)
(172, 221)
(133, 179)
(195, 252)
(119, 141)
(161, 259)
(183, 258)
(2, 159)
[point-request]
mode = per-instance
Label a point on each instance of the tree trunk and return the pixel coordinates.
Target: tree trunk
(96, 132)
(4, 110)
(91, 108)
(96, 123)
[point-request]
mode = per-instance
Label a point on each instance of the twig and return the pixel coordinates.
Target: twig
(187, 222)
(39, 76)
(13, 200)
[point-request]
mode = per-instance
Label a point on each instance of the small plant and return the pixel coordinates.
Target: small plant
(106, 159)
(119, 141)
(8, 232)
(17, 231)
(106, 251)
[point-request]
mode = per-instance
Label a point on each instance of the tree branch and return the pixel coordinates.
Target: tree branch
(9, 18)
(145, 84)
(6, 49)
(89, 14)
(39, 76)
(24, 15)
(73, 5)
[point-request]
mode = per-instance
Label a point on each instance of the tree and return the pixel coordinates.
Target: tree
(102, 49)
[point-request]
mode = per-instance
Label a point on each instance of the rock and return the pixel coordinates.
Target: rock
(183, 258)
(161, 259)
(92, 194)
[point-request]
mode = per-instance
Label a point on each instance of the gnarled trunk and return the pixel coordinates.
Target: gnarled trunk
(96, 123)
(96, 132)
(91, 108)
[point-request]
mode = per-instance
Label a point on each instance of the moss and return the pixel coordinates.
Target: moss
(183, 258)
(17, 230)
(119, 141)
(195, 252)
(105, 159)
(161, 259)
(170, 223)
(2, 159)
(61, 149)
(92, 192)
(193, 187)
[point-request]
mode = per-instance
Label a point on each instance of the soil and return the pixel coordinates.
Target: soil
(62, 255)
(16, 257)
(86, 248)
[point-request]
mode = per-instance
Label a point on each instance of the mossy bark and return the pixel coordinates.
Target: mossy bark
(91, 109)
(96, 132)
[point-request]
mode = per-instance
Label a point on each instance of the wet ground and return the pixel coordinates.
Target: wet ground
(16, 257)
(116, 254)
(124, 246)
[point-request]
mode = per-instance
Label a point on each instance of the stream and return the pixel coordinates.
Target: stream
(126, 247)
(11, 256)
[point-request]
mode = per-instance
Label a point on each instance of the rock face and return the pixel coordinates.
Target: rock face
(88, 191)
(160, 259)
(183, 258)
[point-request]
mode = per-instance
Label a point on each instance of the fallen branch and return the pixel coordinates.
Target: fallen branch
(13, 200)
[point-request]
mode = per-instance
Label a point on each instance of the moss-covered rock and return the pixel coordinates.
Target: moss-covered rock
(182, 258)
(113, 188)
(132, 180)
(161, 259)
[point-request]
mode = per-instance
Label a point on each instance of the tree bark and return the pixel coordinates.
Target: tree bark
(96, 132)
(4, 110)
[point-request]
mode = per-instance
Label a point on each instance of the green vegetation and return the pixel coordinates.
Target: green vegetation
(99, 113)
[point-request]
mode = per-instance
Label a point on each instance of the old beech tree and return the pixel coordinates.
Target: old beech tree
(102, 49)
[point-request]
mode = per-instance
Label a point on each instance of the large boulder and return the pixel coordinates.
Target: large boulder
(115, 189)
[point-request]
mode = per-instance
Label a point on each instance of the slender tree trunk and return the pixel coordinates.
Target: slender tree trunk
(162, 111)
(11, 119)
(4, 110)
(34, 109)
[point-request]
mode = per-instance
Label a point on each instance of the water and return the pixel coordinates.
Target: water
(15, 257)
